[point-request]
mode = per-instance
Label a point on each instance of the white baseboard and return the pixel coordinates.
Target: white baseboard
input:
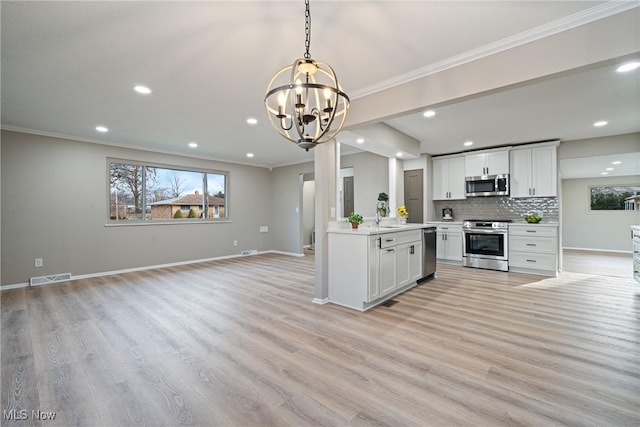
(15, 286)
(597, 250)
(283, 253)
(320, 301)
(151, 267)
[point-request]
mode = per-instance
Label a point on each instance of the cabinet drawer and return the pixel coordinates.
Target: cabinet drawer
(408, 236)
(533, 261)
(388, 240)
(532, 244)
(515, 230)
(449, 228)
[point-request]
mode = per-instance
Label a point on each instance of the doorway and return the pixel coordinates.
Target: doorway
(347, 186)
(413, 195)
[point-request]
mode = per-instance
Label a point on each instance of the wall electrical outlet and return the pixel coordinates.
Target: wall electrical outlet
(264, 228)
(38, 262)
(235, 243)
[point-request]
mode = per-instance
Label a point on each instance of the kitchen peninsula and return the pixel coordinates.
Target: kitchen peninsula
(372, 264)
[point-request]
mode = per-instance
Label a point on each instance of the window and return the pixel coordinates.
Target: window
(615, 198)
(142, 192)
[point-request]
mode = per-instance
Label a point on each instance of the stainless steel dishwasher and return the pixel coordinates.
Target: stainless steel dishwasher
(428, 252)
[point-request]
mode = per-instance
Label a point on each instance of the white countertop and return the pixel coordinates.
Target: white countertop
(527, 224)
(367, 230)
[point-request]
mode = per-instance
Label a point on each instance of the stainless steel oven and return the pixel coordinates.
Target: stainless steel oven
(486, 244)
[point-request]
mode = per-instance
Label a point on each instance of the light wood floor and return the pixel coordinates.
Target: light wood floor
(238, 342)
(594, 262)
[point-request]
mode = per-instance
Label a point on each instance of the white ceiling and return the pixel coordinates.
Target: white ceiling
(69, 66)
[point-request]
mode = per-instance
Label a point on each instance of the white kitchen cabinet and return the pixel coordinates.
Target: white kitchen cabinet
(408, 257)
(387, 264)
(533, 248)
(534, 172)
(449, 242)
(488, 163)
(366, 268)
(448, 178)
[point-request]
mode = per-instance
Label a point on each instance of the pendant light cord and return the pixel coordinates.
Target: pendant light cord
(307, 30)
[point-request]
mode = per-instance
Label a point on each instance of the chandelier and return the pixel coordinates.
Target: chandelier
(304, 99)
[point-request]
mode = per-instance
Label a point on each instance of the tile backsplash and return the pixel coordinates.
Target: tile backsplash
(499, 208)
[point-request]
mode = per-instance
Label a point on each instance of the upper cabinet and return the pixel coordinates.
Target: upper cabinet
(534, 172)
(448, 178)
(488, 163)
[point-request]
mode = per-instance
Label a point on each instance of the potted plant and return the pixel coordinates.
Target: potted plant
(355, 220)
(383, 206)
(403, 213)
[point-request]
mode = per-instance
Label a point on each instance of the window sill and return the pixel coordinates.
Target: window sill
(125, 223)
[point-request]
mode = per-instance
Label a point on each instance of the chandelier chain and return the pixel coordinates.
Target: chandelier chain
(307, 30)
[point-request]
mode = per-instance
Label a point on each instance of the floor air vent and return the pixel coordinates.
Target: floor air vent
(250, 252)
(45, 280)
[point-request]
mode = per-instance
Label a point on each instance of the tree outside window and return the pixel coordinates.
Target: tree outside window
(152, 193)
(615, 198)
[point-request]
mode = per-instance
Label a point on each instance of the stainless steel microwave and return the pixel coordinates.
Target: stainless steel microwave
(487, 185)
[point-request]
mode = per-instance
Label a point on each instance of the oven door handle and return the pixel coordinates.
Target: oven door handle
(485, 231)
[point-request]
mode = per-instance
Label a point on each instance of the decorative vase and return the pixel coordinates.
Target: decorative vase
(382, 207)
(354, 225)
(402, 220)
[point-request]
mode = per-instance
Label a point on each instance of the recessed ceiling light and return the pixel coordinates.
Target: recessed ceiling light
(102, 129)
(629, 66)
(429, 113)
(609, 169)
(142, 89)
(193, 145)
(360, 140)
(600, 123)
(252, 121)
(468, 143)
(616, 162)
(399, 154)
(249, 154)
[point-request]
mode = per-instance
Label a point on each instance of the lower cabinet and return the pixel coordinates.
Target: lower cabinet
(533, 248)
(409, 261)
(449, 242)
(364, 270)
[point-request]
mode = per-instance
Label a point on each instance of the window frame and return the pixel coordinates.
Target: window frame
(144, 203)
(590, 188)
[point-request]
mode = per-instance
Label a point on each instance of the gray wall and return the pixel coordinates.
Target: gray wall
(286, 206)
(370, 177)
(584, 229)
(54, 203)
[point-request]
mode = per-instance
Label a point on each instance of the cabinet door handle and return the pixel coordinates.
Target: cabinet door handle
(531, 244)
(412, 250)
(531, 260)
(531, 231)
(390, 250)
(379, 239)
(388, 240)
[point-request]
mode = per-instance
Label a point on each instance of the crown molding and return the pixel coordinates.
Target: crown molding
(586, 16)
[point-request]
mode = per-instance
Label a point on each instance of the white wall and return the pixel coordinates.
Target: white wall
(585, 229)
(54, 206)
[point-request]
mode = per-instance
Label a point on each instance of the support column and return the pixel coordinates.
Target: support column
(325, 169)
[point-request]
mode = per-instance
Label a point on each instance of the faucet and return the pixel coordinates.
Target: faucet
(377, 217)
